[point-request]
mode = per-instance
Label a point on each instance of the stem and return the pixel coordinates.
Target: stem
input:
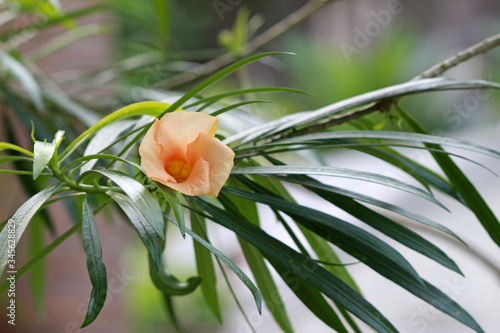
(276, 30)
(382, 106)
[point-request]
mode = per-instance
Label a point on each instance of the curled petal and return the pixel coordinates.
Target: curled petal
(218, 156)
(177, 129)
(151, 162)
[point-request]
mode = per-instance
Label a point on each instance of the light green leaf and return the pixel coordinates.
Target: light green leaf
(25, 78)
(148, 235)
(20, 221)
(95, 265)
(43, 153)
(141, 108)
(6, 145)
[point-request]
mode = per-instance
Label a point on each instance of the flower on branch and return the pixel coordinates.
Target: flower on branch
(180, 151)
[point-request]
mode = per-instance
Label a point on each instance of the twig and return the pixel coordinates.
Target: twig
(211, 66)
(436, 70)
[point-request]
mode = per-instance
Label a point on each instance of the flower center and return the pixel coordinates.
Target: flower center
(180, 170)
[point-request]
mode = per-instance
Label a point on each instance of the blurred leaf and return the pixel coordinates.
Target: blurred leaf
(25, 78)
(43, 153)
(21, 219)
(95, 266)
(148, 235)
(217, 77)
(37, 274)
(218, 97)
(6, 145)
(141, 197)
(234, 106)
(205, 267)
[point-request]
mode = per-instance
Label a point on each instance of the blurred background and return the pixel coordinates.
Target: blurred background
(113, 53)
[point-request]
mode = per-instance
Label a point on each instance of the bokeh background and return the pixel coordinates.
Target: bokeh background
(127, 51)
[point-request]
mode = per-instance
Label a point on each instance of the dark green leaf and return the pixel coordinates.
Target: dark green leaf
(95, 265)
(173, 199)
(148, 235)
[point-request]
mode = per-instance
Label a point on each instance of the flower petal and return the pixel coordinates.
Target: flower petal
(178, 129)
(198, 182)
(151, 162)
(218, 156)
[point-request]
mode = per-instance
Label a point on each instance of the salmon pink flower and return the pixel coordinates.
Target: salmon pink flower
(181, 152)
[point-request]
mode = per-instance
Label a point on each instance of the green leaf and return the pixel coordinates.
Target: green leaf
(25, 78)
(239, 92)
(148, 235)
(141, 108)
(310, 296)
(20, 221)
(37, 274)
(222, 257)
(386, 135)
(234, 106)
(205, 267)
(173, 199)
(337, 172)
(168, 283)
(43, 153)
(95, 265)
(6, 145)
(217, 77)
(141, 197)
(467, 190)
(261, 273)
(407, 88)
(298, 264)
(372, 201)
(102, 138)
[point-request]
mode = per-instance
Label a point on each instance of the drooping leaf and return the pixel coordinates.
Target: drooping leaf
(141, 197)
(148, 235)
(314, 274)
(95, 265)
(205, 267)
(239, 273)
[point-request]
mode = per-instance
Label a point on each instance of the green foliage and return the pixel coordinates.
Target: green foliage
(101, 165)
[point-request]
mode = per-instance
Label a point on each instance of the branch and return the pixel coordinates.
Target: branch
(276, 30)
(436, 70)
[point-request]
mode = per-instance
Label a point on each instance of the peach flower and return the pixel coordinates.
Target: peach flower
(181, 152)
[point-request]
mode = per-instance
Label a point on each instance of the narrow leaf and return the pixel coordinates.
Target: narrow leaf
(95, 265)
(173, 199)
(19, 222)
(148, 235)
(141, 197)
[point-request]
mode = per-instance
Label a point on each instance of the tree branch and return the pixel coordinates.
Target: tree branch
(436, 70)
(276, 30)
